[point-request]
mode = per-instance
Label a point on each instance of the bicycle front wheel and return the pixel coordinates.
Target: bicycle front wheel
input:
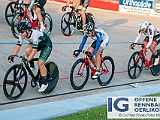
(52, 76)
(68, 23)
(10, 12)
(15, 82)
(135, 65)
(107, 71)
(79, 74)
(48, 23)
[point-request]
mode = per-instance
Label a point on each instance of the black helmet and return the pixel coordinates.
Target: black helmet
(89, 27)
(22, 26)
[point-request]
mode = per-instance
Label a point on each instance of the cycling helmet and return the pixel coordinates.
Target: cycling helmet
(89, 27)
(22, 26)
(143, 25)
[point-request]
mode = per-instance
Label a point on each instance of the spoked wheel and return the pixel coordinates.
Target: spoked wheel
(155, 69)
(90, 18)
(14, 23)
(48, 23)
(68, 23)
(53, 76)
(135, 65)
(15, 82)
(107, 71)
(79, 74)
(10, 12)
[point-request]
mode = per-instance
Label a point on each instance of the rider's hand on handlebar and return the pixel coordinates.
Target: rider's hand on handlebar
(90, 56)
(76, 53)
(131, 46)
(11, 59)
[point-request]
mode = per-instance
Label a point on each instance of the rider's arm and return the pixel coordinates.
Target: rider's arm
(138, 38)
(98, 43)
(16, 50)
(151, 35)
(31, 4)
(83, 42)
(68, 2)
(77, 4)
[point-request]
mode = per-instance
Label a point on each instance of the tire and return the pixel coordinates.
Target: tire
(14, 23)
(155, 70)
(107, 71)
(52, 76)
(15, 82)
(10, 12)
(90, 18)
(79, 80)
(135, 65)
(48, 23)
(68, 23)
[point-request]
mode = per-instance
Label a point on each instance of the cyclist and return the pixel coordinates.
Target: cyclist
(99, 43)
(152, 38)
(76, 4)
(38, 41)
(39, 7)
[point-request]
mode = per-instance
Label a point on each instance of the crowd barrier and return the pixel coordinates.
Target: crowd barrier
(142, 7)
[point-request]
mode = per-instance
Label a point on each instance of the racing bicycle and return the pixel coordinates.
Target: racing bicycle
(80, 71)
(71, 20)
(16, 78)
(35, 24)
(138, 61)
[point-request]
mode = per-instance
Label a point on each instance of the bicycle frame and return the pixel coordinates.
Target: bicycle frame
(34, 24)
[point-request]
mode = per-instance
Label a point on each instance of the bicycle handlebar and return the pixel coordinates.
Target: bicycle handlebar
(140, 44)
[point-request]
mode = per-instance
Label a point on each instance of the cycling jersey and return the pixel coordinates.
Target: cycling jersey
(40, 41)
(100, 38)
(152, 33)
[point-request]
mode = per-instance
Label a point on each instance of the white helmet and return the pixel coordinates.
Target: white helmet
(143, 25)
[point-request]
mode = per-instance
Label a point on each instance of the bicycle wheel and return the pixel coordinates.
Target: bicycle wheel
(14, 23)
(90, 18)
(52, 75)
(15, 82)
(48, 23)
(107, 71)
(79, 74)
(155, 69)
(135, 65)
(10, 12)
(68, 23)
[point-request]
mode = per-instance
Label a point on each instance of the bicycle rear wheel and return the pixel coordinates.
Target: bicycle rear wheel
(10, 12)
(15, 82)
(52, 75)
(68, 23)
(79, 74)
(48, 23)
(107, 71)
(14, 23)
(155, 69)
(135, 65)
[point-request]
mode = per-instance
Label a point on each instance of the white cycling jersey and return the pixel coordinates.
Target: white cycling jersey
(151, 32)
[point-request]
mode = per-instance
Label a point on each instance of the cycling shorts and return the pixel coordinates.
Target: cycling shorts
(156, 40)
(41, 3)
(45, 49)
(104, 43)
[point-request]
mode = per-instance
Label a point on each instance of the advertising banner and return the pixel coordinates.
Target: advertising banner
(102, 4)
(143, 7)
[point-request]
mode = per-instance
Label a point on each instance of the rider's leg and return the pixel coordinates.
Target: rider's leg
(91, 49)
(83, 11)
(40, 5)
(154, 52)
(43, 79)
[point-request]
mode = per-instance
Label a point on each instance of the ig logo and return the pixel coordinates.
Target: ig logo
(114, 104)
